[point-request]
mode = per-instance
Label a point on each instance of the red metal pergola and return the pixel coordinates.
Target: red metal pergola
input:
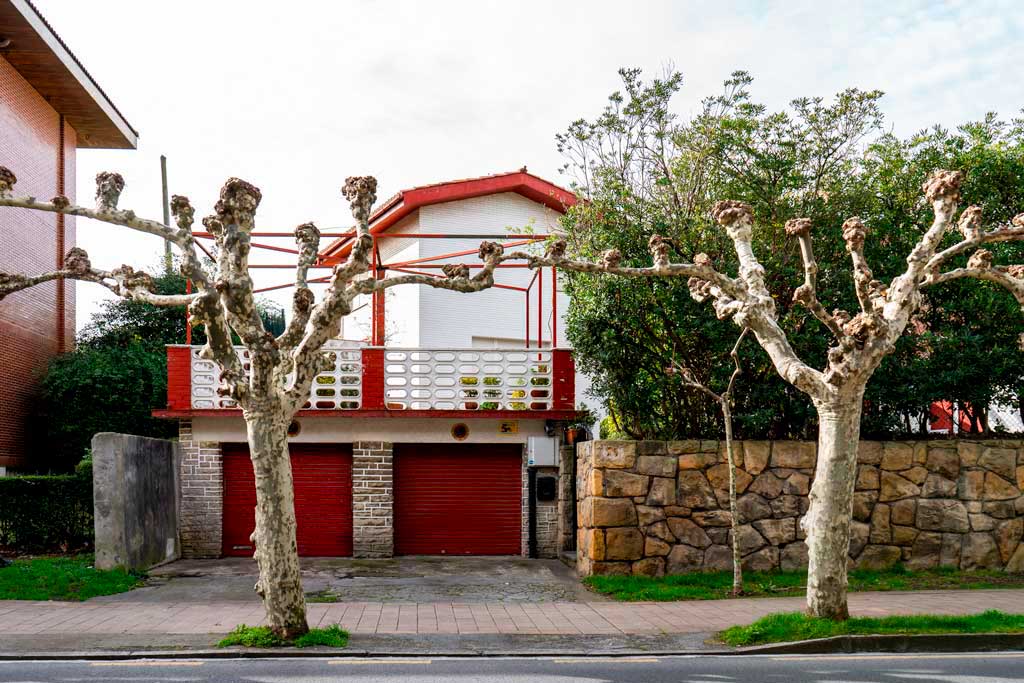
(418, 266)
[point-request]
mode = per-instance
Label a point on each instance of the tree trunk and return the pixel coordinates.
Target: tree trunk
(827, 523)
(279, 583)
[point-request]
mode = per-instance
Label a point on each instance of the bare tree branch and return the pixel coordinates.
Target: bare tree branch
(807, 293)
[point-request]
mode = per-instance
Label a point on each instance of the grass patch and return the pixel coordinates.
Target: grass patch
(718, 585)
(62, 578)
(325, 595)
(262, 636)
(792, 626)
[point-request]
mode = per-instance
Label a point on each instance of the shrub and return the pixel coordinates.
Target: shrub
(46, 512)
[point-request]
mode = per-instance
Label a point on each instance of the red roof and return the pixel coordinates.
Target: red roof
(407, 201)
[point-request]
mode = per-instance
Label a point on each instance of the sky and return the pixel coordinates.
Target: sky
(295, 96)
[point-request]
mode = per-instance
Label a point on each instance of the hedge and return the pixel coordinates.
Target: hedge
(46, 512)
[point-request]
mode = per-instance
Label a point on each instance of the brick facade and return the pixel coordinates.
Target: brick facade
(36, 322)
(373, 499)
(202, 495)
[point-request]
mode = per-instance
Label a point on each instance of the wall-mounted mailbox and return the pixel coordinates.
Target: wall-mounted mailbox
(547, 489)
(540, 451)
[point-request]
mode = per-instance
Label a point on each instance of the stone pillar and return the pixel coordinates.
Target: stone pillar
(566, 499)
(373, 500)
(202, 495)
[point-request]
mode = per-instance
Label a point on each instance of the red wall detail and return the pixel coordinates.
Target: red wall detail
(179, 378)
(563, 370)
(373, 379)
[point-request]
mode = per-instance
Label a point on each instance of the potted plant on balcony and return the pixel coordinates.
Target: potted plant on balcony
(577, 429)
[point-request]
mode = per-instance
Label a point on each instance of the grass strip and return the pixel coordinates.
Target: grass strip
(62, 578)
(262, 636)
(791, 626)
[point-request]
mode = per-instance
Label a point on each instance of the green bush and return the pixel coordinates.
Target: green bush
(46, 512)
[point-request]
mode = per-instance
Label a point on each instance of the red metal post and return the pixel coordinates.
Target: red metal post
(188, 324)
(540, 308)
(554, 307)
(528, 315)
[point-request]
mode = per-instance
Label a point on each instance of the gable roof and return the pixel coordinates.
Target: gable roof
(406, 202)
(41, 57)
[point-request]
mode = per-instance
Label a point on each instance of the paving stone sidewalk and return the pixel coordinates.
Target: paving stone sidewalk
(556, 618)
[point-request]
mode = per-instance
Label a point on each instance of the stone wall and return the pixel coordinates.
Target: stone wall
(135, 484)
(202, 495)
(654, 507)
(373, 499)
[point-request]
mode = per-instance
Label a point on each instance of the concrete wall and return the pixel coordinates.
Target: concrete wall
(135, 483)
(655, 507)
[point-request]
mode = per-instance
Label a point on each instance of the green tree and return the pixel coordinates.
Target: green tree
(645, 172)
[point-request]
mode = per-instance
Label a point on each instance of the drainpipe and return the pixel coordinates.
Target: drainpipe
(531, 492)
(61, 306)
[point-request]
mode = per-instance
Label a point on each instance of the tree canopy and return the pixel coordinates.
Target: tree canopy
(644, 171)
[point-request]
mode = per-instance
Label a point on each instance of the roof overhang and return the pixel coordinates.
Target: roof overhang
(407, 201)
(42, 58)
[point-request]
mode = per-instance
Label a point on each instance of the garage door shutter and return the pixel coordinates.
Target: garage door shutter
(322, 475)
(458, 499)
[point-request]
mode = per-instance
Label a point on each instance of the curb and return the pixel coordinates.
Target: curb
(948, 643)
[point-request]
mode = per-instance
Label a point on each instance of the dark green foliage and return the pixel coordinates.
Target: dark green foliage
(718, 585)
(792, 626)
(62, 578)
(262, 636)
(645, 172)
(46, 513)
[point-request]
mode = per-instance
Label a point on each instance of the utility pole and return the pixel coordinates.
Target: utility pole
(168, 260)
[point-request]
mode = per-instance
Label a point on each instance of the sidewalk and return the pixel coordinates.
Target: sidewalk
(97, 618)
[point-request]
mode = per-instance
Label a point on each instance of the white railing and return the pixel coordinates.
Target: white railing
(467, 379)
(340, 388)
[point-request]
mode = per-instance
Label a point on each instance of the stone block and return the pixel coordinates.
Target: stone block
(937, 486)
(620, 484)
(897, 456)
(870, 453)
(718, 535)
(610, 569)
(677, 511)
(859, 533)
(682, 447)
(763, 560)
(939, 514)
(1002, 461)
(904, 535)
(655, 547)
(879, 556)
(656, 465)
(997, 488)
(696, 461)
(789, 506)
(924, 554)
(647, 515)
(683, 559)
(903, 512)
(718, 558)
(752, 507)
(949, 554)
(979, 551)
(595, 483)
(718, 475)
(694, 491)
(663, 491)
(971, 485)
(793, 557)
(916, 474)
(749, 539)
(755, 456)
(881, 532)
(613, 454)
(686, 531)
(623, 543)
(795, 454)
(593, 544)
(1020, 477)
(981, 522)
(713, 518)
(867, 478)
(797, 484)
(1007, 536)
(1016, 563)
(767, 485)
(777, 531)
(649, 566)
(610, 512)
(969, 453)
(648, 448)
(895, 487)
(863, 504)
(943, 461)
(661, 530)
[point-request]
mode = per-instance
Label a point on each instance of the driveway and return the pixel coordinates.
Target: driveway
(407, 580)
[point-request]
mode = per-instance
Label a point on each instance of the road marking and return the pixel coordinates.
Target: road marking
(840, 658)
(148, 662)
(380, 661)
(608, 660)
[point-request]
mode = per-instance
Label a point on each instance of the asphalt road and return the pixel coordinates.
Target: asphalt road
(949, 668)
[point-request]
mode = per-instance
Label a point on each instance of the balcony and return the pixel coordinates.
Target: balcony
(388, 382)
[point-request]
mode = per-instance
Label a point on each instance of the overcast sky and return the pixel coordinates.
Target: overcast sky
(294, 96)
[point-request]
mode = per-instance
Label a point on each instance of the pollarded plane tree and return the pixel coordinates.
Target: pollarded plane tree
(282, 368)
(862, 340)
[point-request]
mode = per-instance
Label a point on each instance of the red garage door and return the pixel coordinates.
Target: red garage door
(322, 475)
(458, 499)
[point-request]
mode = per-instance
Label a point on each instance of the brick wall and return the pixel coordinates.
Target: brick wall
(655, 507)
(373, 499)
(30, 133)
(202, 495)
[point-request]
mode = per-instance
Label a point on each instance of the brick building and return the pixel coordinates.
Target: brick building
(436, 431)
(49, 108)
